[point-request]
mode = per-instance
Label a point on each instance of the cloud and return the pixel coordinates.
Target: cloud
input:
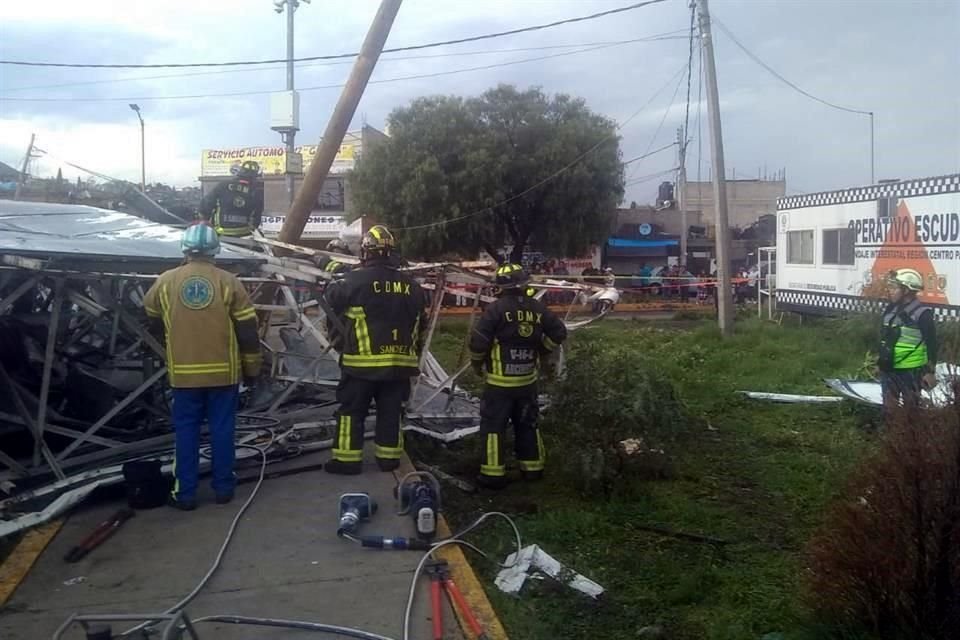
(896, 59)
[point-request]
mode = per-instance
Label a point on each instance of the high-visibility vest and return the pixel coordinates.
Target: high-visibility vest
(909, 348)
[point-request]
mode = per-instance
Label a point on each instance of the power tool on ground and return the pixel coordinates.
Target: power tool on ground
(354, 509)
(419, 495)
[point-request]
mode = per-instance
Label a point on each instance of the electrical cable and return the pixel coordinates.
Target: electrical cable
(669, 35)
(487, 36)
(293, 624)
(663, 119)
(650, 176)
(455, 539)
(647, 155)
(777, 75)
(575, 161)
(686, 117)
(229, 537)
(235, 94)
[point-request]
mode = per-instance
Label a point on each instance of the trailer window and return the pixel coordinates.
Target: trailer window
(800, 247)
(838, 246)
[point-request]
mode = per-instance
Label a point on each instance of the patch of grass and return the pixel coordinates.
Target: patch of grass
(753, 474)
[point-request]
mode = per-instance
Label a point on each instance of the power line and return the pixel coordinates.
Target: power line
(303, 89)
(686, 117)
(670, 35)
(444, 43)
(647, 155)
(665, 114)
(651, 176)
(554, 175)
(763, 64)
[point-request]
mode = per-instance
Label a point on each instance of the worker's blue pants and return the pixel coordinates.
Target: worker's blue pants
(218, 405)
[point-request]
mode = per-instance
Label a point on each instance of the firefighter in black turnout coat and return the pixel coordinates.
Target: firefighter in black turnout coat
(505, 347)
(383, 313)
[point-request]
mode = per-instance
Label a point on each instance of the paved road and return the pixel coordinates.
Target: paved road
(285, 562)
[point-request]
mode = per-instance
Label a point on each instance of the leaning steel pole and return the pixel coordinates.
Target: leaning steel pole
(337, 126)
(724, 297)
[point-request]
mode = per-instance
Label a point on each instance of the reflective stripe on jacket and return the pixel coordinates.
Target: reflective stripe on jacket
(510, 337)
(235, 207)
(383, 312)
(210, 326)
(908, 346)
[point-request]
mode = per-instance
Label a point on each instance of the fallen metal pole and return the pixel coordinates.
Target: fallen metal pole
(48, 356)
(439, 390)
(16, 294)
(120, 406)
(28, 419)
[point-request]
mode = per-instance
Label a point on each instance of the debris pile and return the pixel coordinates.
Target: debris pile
(83, 383)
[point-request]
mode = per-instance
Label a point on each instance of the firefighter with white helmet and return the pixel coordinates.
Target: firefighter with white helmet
(908, 342)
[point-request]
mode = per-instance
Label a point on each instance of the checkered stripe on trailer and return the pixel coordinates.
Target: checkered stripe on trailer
(906, 189)
(832, 303)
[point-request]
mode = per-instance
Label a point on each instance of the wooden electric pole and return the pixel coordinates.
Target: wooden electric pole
(724, 297)
(22, 179)
(680, 196)
(306, 198)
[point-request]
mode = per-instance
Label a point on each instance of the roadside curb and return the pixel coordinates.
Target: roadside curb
(463, 574)
(21, 559)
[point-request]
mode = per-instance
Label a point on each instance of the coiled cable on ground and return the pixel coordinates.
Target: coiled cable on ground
(226, 541)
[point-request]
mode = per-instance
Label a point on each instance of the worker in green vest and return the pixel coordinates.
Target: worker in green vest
(908, 342)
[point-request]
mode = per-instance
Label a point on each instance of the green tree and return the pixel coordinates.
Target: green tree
(508, 167)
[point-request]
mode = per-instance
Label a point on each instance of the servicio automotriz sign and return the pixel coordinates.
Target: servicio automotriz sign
(217, 162)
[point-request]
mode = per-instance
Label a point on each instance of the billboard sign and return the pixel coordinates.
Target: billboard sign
(217, 162)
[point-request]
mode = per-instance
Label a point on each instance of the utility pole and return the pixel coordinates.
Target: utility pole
(873, 166)
(724, 297)
(288, 130)
(306, 197)
(143, 152)
(24, 167)
(681, 197)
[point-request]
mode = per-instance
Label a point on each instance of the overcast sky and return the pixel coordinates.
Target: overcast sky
(898, 58)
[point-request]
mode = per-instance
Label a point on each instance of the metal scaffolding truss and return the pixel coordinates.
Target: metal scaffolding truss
(83, 382)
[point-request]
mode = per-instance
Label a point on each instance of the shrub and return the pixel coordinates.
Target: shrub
(614, 416)
(888, 556)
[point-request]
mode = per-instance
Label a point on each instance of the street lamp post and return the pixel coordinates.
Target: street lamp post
(143, 153)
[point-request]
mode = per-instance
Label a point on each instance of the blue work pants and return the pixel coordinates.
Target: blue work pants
(218, 406)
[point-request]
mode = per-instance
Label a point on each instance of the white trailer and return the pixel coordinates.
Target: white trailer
(834, 248)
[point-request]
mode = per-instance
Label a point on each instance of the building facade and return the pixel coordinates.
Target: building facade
(747, 200)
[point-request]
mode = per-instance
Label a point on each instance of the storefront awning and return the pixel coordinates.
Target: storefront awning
(629, 248)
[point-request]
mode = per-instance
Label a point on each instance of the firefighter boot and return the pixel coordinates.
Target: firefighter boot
(495, 483)
(340, 468)
(532, 476)
(388, 464)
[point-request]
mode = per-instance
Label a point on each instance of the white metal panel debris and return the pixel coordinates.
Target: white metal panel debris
(533, 558)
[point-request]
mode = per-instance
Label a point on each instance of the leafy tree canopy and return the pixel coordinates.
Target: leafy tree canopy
(494, 167)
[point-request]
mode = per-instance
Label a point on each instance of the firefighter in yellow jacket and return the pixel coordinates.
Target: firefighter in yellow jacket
(509, 341)
(210, 331)
(383, 312)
